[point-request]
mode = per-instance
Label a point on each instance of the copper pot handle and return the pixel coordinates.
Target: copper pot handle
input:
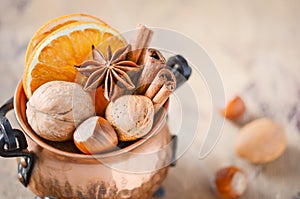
(174, 141)
(181, 69)
(13, 144)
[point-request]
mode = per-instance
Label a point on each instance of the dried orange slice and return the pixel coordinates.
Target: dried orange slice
(69, 44)
(55, 24)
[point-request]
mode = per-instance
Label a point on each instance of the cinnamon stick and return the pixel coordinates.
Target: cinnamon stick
(161, 88)
(153, 62)
(139, 43)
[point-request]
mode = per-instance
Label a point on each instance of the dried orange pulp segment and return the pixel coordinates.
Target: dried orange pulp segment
(55, 24)
(55, 56)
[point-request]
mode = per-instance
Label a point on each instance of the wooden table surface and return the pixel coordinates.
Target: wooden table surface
(251, 43)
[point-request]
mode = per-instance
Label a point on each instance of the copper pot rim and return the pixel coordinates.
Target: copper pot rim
(20, 101)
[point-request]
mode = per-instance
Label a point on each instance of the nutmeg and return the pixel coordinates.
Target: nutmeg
(261, 141)
(229, 182)
(56, 108)
(131, 116)
(95, 135)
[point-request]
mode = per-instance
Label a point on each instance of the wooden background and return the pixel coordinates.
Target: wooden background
(249, 42)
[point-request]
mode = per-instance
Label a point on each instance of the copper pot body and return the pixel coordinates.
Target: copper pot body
(135, 171)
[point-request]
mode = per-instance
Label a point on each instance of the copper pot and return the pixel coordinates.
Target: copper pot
(135, 171)
(49, 170)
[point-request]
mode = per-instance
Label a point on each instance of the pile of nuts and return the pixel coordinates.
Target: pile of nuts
(115, 98)
(259, 141)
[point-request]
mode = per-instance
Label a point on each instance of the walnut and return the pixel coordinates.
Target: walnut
(56, 108)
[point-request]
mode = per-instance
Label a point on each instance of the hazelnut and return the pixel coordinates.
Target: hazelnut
(261, 141)
(56, 108)
(100, 101)
(131, 115)
(95, 135)
(234, 109)
(229, 182)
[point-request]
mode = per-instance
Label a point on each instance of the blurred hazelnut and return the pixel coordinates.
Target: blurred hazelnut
(229, 182)
(95, 135)
(56, 108)
(131, 115)
(261, 141)
(234, 109)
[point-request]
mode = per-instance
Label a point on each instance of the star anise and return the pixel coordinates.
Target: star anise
(109, 71)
